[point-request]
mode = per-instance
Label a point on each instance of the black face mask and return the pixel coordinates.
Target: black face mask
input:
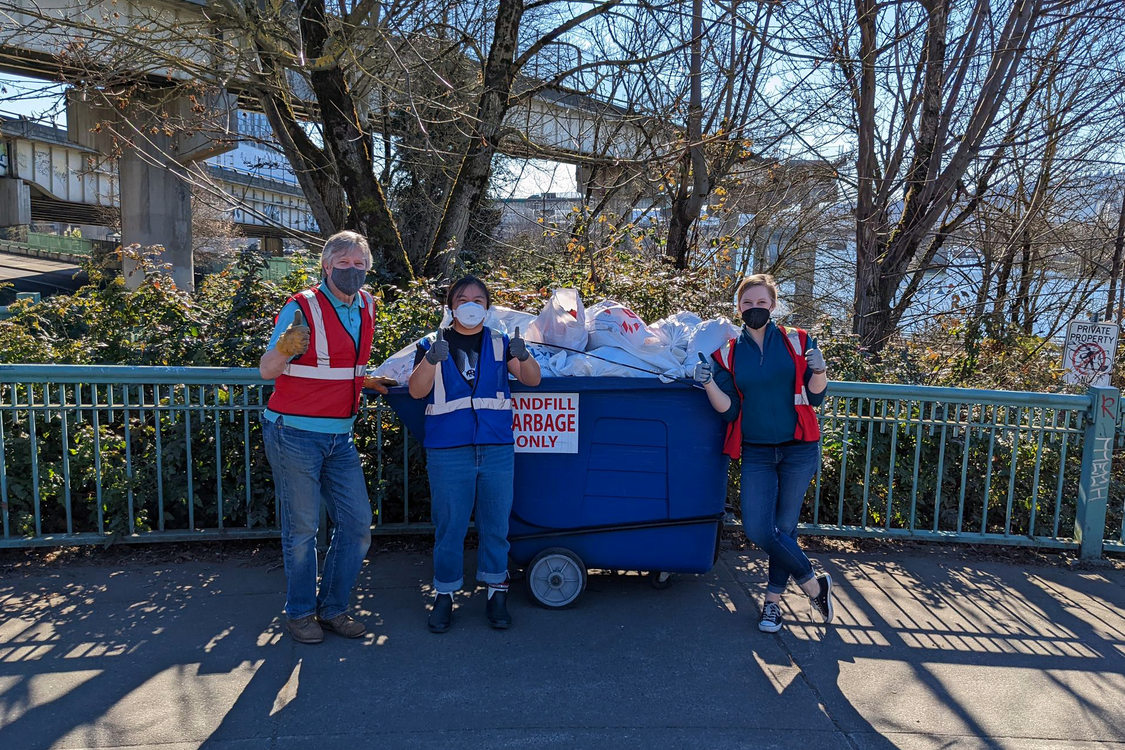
(756, 317)
(348, 280)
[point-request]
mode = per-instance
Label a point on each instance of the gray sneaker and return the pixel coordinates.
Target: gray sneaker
(305, 629)
(771, 618)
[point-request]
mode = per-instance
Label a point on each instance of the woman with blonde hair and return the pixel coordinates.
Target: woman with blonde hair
(766, 384)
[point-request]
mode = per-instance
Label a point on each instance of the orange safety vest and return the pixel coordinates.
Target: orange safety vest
(808, 428)
(327, 380)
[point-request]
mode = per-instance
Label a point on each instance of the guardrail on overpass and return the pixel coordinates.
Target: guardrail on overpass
(93, 454)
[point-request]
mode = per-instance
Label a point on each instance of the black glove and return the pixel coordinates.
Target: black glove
(438, 351)
(517, 347)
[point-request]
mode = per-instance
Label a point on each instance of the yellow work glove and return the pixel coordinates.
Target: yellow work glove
(295, 340)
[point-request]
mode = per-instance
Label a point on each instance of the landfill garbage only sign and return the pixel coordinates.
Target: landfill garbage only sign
(545, 422)
(1089, 351)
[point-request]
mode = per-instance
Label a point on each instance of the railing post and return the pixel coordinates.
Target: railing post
(1097, 462)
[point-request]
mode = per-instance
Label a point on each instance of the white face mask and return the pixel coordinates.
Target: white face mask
(469, 314)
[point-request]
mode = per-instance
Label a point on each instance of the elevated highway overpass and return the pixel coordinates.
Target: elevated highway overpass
(158, 40)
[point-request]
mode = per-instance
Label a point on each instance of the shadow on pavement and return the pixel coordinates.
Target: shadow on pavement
(927, 651)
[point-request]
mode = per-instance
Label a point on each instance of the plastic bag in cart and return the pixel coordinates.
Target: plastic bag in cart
(562, 321)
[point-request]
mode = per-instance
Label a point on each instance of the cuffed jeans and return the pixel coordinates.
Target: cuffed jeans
(460, 478)
(309, 467)
(774, 482)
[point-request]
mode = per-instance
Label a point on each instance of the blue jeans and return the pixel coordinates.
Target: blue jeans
(309, 467)
(480, 475)
(774, 482)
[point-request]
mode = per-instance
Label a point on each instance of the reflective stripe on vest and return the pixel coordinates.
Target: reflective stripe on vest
(325, 373)
(442, 406)
(323, 370)
(802, 398)
(317, 323)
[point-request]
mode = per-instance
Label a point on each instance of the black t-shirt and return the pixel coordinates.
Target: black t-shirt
(464, 350)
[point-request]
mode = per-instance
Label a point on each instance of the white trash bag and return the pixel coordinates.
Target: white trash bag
(562, 321)
(612, 324)
(399, 365)
(709, 336)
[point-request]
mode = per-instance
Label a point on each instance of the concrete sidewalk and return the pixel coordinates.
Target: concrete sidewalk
(929, 650)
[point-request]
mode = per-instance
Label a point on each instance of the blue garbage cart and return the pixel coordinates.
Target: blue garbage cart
(610, 473)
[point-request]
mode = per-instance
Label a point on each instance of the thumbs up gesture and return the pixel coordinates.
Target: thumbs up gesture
(518, 347)
(703, 372)
(295, 340)
(439, 350)
(815, 361)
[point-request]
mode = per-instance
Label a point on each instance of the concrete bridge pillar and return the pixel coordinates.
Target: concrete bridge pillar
(15, 209)
(158, 141)
(272, 246)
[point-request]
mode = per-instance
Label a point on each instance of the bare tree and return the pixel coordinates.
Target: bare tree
(935, 96)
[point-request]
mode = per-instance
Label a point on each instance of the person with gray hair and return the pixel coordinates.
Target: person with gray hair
(317, 358)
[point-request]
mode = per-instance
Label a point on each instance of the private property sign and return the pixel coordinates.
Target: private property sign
(545, 422)
(1089, 351)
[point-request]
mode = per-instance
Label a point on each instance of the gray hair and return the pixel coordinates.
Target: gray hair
(343, 243)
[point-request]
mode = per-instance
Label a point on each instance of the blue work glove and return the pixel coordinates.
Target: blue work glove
(815, 360)
(517, 347)
(438, 351)
(703, 372)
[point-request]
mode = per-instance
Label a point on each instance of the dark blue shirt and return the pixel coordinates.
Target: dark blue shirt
(765, 377)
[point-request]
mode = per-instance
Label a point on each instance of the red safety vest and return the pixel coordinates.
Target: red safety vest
(808, 428)
(327, 380)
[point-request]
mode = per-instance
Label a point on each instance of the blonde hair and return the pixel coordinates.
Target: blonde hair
(757, 279)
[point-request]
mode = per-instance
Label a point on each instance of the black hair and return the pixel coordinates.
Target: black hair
(463, 282)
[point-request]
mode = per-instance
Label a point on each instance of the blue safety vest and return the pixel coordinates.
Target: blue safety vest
(457, 414)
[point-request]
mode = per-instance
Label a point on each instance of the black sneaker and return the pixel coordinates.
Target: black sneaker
(441, 614)
(823, 600)
(771, 618)
(497, 610)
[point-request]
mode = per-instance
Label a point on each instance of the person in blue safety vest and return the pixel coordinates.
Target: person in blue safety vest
(462, 373)
(317, 358)
(766, 384)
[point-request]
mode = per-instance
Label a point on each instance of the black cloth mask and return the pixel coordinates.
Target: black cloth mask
(756, 317)
(348, 280)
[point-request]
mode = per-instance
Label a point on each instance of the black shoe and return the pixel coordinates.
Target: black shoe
(771, 618)
(441, 614)
(305, 629)
(497, 610)
(823, 600)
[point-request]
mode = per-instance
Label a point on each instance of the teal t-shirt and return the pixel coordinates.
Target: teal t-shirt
(765, 377)
(350, 317)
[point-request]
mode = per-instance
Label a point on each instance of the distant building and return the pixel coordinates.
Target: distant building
(529, 215)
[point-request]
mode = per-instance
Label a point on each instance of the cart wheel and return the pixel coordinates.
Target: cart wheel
(555, 577)
(660, 579)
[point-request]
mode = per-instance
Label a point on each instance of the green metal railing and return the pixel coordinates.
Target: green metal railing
(58, 244)
(92, 454)
(978, 466)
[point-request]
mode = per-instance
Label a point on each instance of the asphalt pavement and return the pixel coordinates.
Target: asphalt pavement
(931, 648)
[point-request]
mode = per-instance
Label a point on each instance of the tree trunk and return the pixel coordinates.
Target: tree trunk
(687, 204)
(884, 253)
(472, 177)
(352, 148)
